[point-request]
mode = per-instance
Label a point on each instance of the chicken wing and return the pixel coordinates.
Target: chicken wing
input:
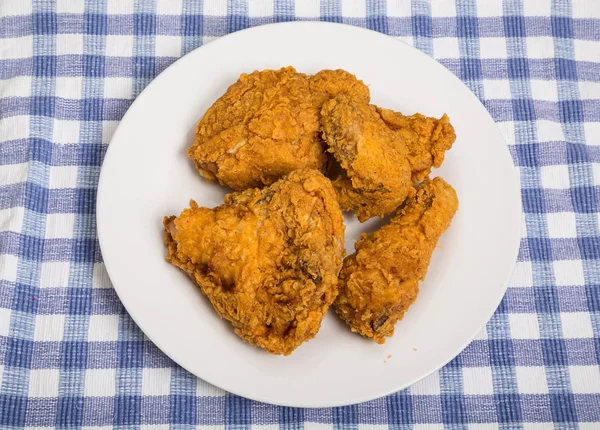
(375, 159)
(267, 259)
(380, 280)
(329, 83)
(264, 127)
(427, 139)
(382, 152)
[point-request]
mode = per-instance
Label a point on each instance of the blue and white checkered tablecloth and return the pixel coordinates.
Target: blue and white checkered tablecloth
(71, 357)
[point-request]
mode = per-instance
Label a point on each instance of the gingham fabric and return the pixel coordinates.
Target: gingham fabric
(71, 357)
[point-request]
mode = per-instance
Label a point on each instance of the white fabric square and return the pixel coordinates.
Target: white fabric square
(260, 8)
(102, 427)
(118, 88)
(55, 274)
(63, 177)
(118, 7)
(103, 328)
(65, 131)
(592, 133)
(13, 174)
(317, 426)
(69, 44)
(482, 426)
(18, 86)
(539, 47)
(167, 46)
(17, 47)
(427, 386)
(537, 8)
(549, 131)
(70, 6)
(585, 379)
(162, 427)
(556, 177)
(4, 320)
(308, 9)
(522, 276)
(585, 9)
(119, 46)
(531, 380)
(49, 328)
(492, 47)
(354, 9)
(69, 88)
(203, 388)
(496, 89)
(441, 8)
(544, 90)
(377, 426)
(576, 325)
(540, 426)
(156, 382)
(409, 40)
(60, 226)
(507, 128)
(14, 127)
(477, 380)
(9, 263)
(100, 382)
(265, 427)
(215, 8)
(524, 326)
(108, 130)
(100, 277)
(596, 174)
(43, 382)
(482, 335)
(486, 8)
(561, 224)
(445, 47)
(589, 90)
(17, 7)
(587, 50)
(397, 8)
(169, 7)
(423, 427)
(568, 272)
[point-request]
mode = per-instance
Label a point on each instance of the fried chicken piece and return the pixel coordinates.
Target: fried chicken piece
(374, 157)
(380, 280)
(382, 152)
(267, 259)
(329, 83)
(264, 127)
(427, 138)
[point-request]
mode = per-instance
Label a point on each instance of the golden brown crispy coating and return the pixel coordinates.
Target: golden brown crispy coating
(329, 83)
(427, 139)
(264, 127)
(374, 157)
(380, 281)
(267, 259)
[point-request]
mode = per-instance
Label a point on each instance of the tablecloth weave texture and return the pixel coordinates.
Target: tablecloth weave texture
(71, 357)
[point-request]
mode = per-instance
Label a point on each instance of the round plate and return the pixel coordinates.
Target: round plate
(146, 175)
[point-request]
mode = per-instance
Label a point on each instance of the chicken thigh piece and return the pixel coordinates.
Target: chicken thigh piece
(267, 259)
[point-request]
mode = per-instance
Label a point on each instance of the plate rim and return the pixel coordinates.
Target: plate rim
(101, 198)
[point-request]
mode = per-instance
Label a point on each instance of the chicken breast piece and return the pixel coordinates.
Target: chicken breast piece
(375, 158)
(380, 281)
(267, 259)
(265, 126)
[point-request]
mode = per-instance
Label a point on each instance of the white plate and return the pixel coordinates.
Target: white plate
(146, 175)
